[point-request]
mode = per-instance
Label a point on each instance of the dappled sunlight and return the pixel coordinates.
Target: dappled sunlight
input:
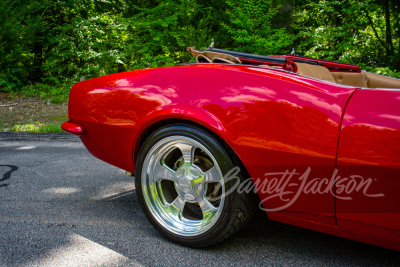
(62, 190)
(25, 147)
(80, 251)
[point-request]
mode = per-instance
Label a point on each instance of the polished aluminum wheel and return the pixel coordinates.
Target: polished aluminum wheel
(183, 186)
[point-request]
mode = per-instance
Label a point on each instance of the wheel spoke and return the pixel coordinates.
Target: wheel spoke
(212, 176)
(187, 152)
(163, 172)
(207, 208)
(177, 206)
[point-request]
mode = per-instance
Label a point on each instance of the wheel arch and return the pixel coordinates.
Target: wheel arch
(151, 127)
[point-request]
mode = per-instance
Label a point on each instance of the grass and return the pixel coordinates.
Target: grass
(37, 128)
(53, 94)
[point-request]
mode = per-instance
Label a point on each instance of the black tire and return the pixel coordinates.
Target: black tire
(237, 208)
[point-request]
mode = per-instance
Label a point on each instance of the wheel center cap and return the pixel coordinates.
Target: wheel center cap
(185, 185)
(189, 183)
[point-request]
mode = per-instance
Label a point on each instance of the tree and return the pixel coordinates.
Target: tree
(20, 30)
(252, 27)
(351, 31)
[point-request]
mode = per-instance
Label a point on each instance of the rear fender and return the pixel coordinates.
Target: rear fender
(179, 113)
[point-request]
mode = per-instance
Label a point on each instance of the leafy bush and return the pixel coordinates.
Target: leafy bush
(20, 29)
(88, 45)
(46, 46)
(350, 31)
(253, 29)
(159, 36)
(382, 71)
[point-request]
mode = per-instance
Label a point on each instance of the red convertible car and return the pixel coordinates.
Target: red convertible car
(314, 143)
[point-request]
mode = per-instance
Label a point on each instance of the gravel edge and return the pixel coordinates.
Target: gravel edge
(12, 136)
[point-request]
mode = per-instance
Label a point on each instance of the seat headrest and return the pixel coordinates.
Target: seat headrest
(315, 71)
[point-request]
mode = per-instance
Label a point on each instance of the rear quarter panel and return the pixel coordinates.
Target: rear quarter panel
(273, 120)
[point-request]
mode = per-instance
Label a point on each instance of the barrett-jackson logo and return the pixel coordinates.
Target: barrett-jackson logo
(289, 185)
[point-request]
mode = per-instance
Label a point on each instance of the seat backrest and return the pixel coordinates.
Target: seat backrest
(213, 57)
(351, 79)
(314, 71)
(379, 81)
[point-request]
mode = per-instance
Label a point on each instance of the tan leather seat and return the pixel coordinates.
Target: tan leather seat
(268, 66)
(315, 71)
(213, 57)
(351, 79)
(379, 81)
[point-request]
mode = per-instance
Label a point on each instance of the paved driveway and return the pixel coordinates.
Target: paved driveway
(60, 206)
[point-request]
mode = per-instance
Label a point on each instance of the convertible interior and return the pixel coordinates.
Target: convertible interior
(345, 74)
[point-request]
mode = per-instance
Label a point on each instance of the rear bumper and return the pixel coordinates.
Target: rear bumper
(72, 128)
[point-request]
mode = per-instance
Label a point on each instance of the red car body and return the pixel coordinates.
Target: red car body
(274, 121)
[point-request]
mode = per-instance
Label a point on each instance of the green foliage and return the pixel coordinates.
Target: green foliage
(253, 29)
(46, 46)
(158, 36)
(87, 45)
(351, 31)
(56, 94)
(20, 28)
(37, 128)
(382, 71)
(50, 128)
(23, 128)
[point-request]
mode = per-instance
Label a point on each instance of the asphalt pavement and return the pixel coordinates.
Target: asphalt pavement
(60, 206)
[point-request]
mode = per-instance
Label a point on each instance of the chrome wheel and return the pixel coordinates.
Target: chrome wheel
(183, 186)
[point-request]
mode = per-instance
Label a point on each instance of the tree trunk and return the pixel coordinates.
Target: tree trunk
(389, 43)
(37, 71)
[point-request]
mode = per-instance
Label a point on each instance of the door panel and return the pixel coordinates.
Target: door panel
(368, 181)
